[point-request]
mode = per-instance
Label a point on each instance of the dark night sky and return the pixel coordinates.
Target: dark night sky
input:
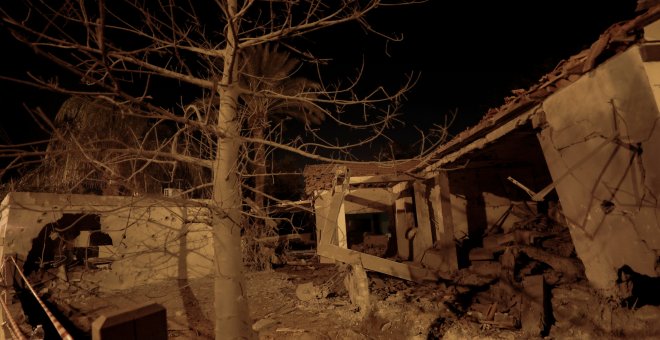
(469, 55)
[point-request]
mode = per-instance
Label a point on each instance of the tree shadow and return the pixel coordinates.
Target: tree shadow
(197, 321)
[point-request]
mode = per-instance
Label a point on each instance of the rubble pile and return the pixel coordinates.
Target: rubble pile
(513, 271)
(376, 245)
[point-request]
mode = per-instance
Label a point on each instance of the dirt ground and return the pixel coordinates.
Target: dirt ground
(310, 301)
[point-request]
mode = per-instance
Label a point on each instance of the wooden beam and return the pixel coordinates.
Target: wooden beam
(367, 203)
(375, 263)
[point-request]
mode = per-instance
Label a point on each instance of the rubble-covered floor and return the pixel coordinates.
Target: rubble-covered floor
(310, 302)
(521, 282)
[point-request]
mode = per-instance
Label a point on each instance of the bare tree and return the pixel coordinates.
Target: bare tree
(181, 65)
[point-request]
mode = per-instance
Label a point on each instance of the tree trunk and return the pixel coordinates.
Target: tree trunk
(232, 318)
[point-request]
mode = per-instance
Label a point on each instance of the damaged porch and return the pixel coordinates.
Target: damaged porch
(555, 187)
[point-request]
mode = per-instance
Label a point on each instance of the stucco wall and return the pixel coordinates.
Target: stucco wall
(152, 239)
(601, 143)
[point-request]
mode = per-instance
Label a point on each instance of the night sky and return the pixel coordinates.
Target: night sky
(469, 56)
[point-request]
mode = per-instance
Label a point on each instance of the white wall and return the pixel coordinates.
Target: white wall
(150, 240)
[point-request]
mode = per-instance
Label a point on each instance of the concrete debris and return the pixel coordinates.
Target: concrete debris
(533, 316)
(518, 268)
(263, 323)
(481, 254)
(439, 259)
(357, 284)
(376, 245)
(308, 291)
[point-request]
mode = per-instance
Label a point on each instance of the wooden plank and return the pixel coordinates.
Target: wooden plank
(368, 201)
(381, 179)
(375, 263)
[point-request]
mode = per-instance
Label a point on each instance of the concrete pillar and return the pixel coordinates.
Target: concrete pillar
(404, 218)
(425, 234)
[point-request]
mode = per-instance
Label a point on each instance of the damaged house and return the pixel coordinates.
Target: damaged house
(101, 243)
(558, 184)
(576, 150)
(134, 240)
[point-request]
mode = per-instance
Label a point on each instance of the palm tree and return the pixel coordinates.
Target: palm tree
(78, 160)
(268, 70)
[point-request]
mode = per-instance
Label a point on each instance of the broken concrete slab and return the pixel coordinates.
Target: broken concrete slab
(593, 137)
(534, 302)
(570, 268)
(357, 285)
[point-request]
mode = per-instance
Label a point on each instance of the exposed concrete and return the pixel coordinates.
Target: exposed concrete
(152, 239)
(600, 139)
(333, 209)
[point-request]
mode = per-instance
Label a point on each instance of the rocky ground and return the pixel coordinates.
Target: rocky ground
(311, 302)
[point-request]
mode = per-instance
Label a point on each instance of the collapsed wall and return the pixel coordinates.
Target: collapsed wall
(600, 138)
(595, 121)
(110, 241)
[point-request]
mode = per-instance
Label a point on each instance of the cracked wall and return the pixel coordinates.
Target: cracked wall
(600, 138)
(152, 239)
